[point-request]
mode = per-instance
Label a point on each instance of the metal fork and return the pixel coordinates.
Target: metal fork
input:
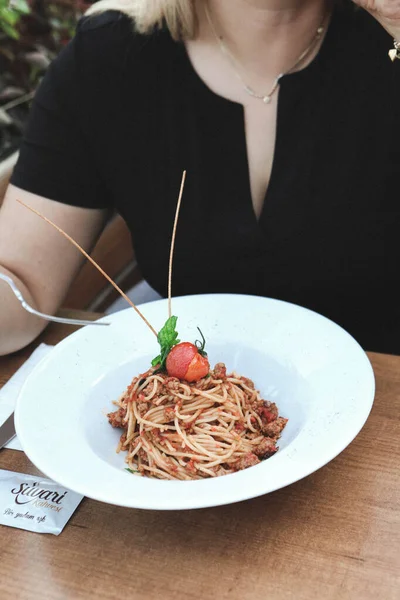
(41, 315)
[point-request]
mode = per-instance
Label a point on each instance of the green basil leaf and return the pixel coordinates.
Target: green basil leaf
(167, 338)
(156, 361)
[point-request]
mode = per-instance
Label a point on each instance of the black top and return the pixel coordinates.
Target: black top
(120, 115)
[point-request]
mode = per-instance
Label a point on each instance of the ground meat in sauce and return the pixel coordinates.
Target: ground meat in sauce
(219, 371)
(169, 414)
(240, 425)
(143, 407)
(268, 412)
(274, 428)
(266, 448)
(248, 460)
(172, 383)
(155, 433)
(115, 418)
(253, 403)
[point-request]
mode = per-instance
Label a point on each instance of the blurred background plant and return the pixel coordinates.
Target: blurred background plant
(32, 32)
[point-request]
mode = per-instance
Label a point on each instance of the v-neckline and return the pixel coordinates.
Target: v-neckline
(238, 108)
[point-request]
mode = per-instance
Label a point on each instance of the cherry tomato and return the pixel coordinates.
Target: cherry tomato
(185, 362)
(198, 368)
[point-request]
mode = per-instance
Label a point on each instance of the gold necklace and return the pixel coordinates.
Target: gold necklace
(266, 98)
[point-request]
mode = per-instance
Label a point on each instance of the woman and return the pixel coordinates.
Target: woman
(292, 187)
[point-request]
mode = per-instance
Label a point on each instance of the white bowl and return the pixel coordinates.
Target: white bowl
(315, 371)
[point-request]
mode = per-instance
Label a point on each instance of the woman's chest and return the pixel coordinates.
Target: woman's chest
(330, 213)
(327, 156)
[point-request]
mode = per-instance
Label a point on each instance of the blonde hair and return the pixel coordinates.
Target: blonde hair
(147, 15)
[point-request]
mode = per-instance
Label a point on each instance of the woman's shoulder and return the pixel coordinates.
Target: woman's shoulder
(105, 47)
(108, 18)
(109, 26)
(112, 34)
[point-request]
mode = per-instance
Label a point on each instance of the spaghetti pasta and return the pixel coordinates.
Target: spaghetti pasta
(178, 430)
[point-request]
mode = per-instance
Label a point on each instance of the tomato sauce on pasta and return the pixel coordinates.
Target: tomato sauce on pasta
(173, 429)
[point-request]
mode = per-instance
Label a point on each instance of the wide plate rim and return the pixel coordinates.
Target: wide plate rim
(241, 494)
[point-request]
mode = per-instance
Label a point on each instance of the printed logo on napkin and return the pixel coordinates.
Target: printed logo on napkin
(35, 504)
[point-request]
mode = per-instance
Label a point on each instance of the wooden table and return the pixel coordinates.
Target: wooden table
(332, 536)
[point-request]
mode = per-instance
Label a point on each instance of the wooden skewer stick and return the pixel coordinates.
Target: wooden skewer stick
(94, 263)
(171, 253)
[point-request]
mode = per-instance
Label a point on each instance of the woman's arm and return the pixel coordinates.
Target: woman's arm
(39, 259)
